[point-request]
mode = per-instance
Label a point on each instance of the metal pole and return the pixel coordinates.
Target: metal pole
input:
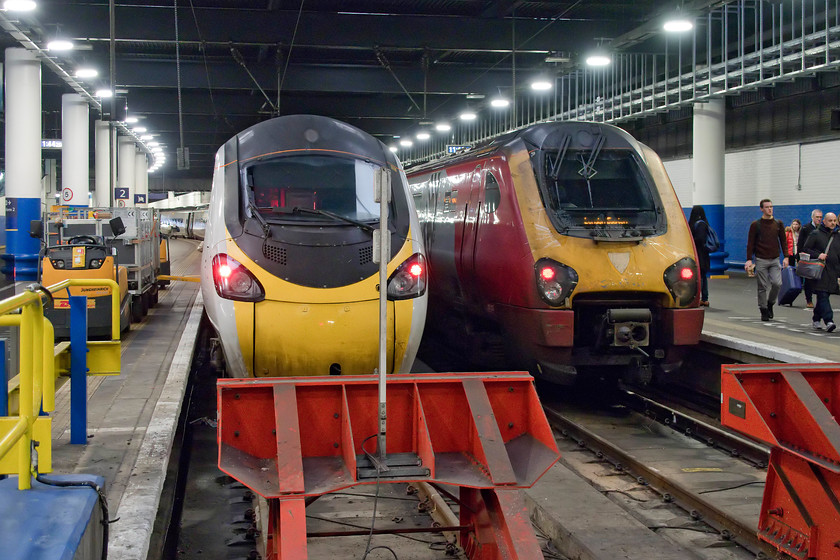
(382, 187)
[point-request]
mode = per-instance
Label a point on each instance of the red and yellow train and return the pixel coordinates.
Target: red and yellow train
(561, 248)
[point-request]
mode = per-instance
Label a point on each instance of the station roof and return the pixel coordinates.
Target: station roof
(203, 70)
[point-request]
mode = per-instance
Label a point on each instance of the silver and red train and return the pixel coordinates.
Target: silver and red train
(560, 248)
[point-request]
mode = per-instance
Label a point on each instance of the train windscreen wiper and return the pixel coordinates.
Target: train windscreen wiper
(361, 225)
(255, 212)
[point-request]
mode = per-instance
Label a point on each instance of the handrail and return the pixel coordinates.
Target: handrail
(37, 388)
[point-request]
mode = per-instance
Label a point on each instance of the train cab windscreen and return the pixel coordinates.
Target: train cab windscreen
(606, 194)
(312, 188)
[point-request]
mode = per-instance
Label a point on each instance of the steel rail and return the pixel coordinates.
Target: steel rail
(729, 527)
(714, 436)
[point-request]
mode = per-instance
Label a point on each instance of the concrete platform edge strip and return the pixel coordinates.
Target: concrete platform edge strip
(758, 349)
(131, 535)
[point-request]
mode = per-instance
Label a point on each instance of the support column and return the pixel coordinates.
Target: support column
(102, 163)
(75, 153)
(23, 163)
(708, 171)
(141, 179)
(124, 193)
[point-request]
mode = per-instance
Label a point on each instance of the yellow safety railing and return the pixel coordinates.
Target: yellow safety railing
(36, 380)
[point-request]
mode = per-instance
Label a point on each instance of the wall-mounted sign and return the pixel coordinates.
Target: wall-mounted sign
(139, 199)
(454, 148)
(121, 193)
(51, 143)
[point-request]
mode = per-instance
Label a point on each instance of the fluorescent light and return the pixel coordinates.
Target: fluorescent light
(540, 85)
(83, 73)
(467, 116)
(139, 129)
(597, 60)
(499, 103)
(443, 127)
(19, 5)
(406, 143)
(146, 137)
(130, 120)
(104, 93)
(423, 136)
(678, 25)
(60, 45)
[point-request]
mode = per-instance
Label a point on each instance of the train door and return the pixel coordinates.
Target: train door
(472, 215)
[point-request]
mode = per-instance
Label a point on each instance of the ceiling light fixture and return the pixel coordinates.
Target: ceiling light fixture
(139, 129)
(83, 73)
(423, 136)
(678, 25)
(406, 143)
(104, 93)
(59, 45)
(598, 60)
(19, 5)
(131, 120)
(468, 116)
(393, 148)
(499, 103)
(541, 85)
(443, 127)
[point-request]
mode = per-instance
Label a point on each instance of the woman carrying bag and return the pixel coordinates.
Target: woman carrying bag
(823, 245)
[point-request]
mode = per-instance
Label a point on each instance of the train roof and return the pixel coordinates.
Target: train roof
(315, 133)
(539, 135)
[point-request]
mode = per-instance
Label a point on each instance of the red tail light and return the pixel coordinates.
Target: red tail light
(686, 274)
(234, 281)
(409, 280)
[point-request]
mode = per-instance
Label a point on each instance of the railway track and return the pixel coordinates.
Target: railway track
(715, 476)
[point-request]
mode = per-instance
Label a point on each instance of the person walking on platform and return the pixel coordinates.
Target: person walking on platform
(766, 241)
(792, 236)
(824, 245)
(699, 230)
(808, 229)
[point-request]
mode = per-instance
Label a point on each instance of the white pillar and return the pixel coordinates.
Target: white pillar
(125, 170)
(23, 161)
(141, 177)
(102, 164)
(75, 153)
(708, 169)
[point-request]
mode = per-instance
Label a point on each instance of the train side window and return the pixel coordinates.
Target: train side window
(492, 194)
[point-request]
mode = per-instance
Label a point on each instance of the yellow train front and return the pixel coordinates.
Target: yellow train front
(561, 247)
(288, 274)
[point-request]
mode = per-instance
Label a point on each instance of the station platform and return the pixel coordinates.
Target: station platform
(733, 321)
(132, 418)
(131, 423)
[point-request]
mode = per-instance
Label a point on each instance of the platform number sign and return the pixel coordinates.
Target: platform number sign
(67, 194)
(139, 199)
(121, 193)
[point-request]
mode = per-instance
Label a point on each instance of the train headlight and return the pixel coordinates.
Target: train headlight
(409, 280)
(555, 281)
(57, 263)
(681, 279)
(234, 281)
(95, 263)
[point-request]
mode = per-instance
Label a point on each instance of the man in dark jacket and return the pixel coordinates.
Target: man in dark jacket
(807, 229)
(766, 240)
(818, 247)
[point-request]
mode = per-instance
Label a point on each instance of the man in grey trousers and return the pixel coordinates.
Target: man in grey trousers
(766, 241)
